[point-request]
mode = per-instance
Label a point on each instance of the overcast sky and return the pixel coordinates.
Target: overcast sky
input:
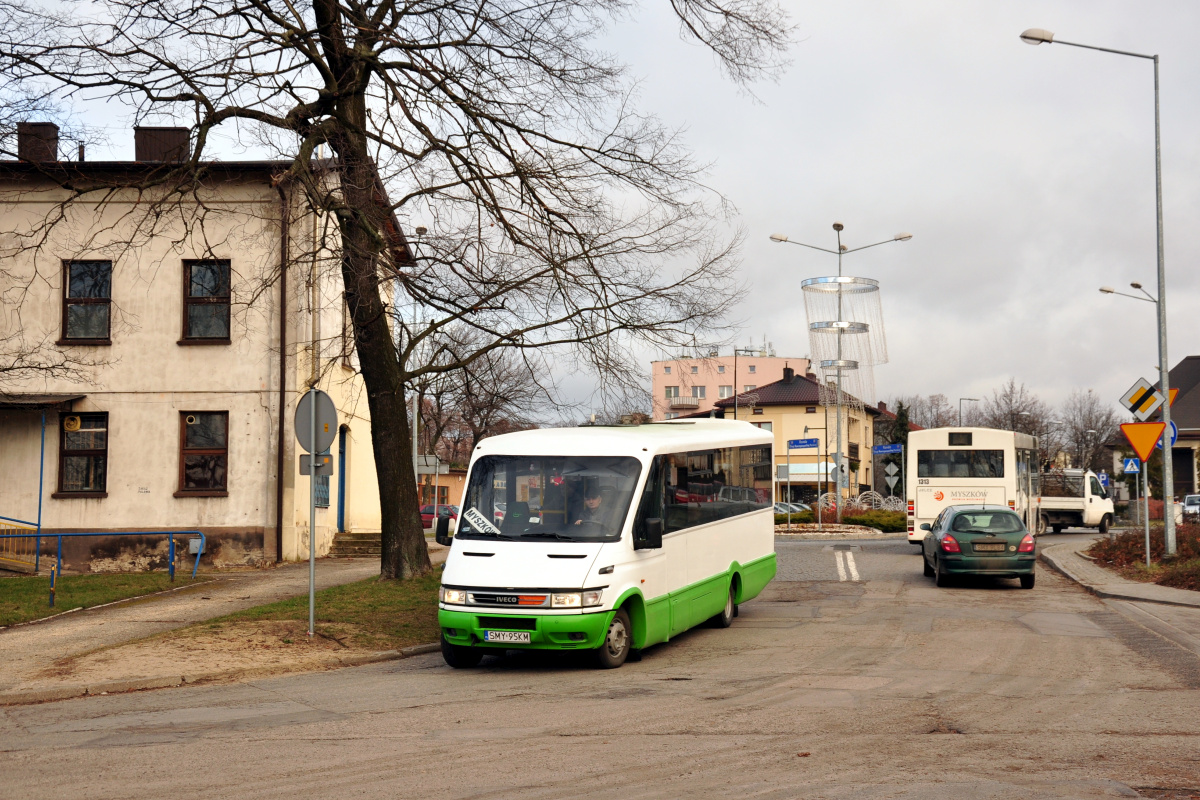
(1025, 174)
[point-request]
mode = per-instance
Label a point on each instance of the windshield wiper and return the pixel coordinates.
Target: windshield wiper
(482, 535)
(548, 535)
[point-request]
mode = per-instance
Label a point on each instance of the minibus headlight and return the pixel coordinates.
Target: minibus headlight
(577, 599)
(455, 596)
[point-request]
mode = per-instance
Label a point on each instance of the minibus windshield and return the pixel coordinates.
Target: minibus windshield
(567, 498)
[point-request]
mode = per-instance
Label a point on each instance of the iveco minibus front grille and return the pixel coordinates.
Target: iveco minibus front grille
(508, 599)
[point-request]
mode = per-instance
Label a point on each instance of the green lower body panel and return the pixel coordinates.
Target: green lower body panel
(546, 631)
(755, 577)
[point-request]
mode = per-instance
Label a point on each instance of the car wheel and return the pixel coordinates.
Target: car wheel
(925, 564)
(1105, 521)
(617, 642)
(725, 618)
(1057, 528)
(1027, 581)
(941, 578)
(459, 656)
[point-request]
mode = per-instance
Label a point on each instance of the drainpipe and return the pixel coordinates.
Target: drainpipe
(284, 219)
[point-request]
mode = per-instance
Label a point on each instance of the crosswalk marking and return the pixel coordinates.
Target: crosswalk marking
(845, 565)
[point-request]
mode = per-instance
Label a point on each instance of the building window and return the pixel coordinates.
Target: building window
(766, 426)
(82, 454)
(443, 494)
(724, 391)
(751, 368)
(695, 370)
(698, 391)
(672, 391)
(810, 409)
(206, 299)
(750, 387)
(672, 415)
(666, 370)
(87, 301)
(757, 410)
(203, 453)
(721, 368)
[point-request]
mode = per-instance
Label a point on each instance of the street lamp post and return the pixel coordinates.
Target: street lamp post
(841, 327)
(1037, 36)
(960, 402)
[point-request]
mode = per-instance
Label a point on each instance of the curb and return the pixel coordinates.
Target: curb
(34, 696)
(1107, 594)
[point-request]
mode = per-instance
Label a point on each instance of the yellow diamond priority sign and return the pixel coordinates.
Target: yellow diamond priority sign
(1142, 399)
(1143, 436)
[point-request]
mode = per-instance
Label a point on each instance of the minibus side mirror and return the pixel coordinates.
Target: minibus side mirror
(652, 532)
(925, 526)
(441, 531)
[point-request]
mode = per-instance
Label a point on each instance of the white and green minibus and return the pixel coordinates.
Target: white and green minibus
(607, 539)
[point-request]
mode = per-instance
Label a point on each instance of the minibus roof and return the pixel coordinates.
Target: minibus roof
(639, 441)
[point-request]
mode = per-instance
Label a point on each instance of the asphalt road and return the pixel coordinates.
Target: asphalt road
(853, 676)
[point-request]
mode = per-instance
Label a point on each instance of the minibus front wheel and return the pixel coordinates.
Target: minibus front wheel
(617, 642)
(460, 657)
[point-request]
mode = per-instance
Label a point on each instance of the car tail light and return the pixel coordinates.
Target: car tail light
(1026, 545)
(950, 545)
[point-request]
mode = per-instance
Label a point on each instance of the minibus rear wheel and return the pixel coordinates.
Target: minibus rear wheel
(460, 657)
(613, 652)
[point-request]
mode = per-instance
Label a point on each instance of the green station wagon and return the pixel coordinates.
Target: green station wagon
(978, 540)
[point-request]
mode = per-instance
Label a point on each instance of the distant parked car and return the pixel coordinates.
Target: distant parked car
(1191, 505)
(443, 511)
(792, 508)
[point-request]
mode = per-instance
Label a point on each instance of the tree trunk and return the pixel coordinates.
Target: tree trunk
(404, 553)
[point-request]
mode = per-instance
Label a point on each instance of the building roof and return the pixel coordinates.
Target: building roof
(1185, 376)
(640, 441)
(798, 390)
(886, 414)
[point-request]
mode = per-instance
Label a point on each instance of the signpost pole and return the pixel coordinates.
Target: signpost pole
(1146, 499)
(788, 499)
(1137, 502)
(312, 514)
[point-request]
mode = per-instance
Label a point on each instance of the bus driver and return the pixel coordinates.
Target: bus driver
(592, 511)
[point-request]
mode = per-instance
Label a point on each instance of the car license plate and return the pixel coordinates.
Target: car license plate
(511, 637)
(989, 547)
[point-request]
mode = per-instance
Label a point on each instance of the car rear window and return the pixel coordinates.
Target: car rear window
(987, 522)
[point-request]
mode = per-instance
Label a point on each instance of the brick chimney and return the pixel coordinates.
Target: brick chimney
(789, 375)
(161, 144)
(37, 141)
(883, 406)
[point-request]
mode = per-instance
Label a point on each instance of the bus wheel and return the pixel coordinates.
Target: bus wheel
(1105, 521)
(725, 618)
(460, 657)
(617, 642)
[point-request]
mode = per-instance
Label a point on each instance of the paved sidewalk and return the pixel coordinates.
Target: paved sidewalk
(26, 650)
(1066, 558)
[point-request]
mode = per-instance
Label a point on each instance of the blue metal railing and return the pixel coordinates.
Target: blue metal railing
(57, 569)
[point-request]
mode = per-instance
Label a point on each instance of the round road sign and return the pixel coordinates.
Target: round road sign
(326, 422)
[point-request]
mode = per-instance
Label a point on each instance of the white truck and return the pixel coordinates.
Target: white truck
(1073, 498)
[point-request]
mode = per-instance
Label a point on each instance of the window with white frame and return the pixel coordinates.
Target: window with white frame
(672, 391)
(666, 370)
(695, 370)
(752, 368)
(724, 391)
(698, 391)
(721, 368)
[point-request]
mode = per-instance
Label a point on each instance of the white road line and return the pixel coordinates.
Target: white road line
(837, 557)
(850, 565)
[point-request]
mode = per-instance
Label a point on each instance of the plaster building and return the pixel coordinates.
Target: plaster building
(192, 340)
(693, 385)
(791, 408)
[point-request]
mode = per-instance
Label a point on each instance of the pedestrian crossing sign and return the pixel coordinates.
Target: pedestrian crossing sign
(1132, 466)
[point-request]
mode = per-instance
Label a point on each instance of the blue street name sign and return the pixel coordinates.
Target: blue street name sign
(801, 444)
(888, 448)
(1174, 429)
(1132, 466)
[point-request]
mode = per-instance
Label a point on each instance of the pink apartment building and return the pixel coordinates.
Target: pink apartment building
(692, 385)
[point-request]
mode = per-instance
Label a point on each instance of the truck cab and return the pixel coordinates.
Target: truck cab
(1074, 498)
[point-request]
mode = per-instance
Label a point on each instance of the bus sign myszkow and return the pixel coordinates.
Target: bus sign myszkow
(932, 499)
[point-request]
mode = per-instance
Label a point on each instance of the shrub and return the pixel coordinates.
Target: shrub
(1181, 575)
(886, 521)
(800, 518)
(1129, 548)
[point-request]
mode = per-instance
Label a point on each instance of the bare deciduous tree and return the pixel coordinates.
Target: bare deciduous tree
(558, 215)
(1086, 425)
